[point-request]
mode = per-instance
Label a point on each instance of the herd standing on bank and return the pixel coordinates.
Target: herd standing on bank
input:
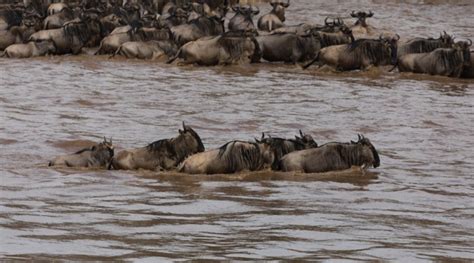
(197, 32)
(185, 153)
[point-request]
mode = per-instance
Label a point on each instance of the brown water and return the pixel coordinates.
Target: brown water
(418, 206)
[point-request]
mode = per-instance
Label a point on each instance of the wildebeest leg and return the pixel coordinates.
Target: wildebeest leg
(116, 52)
(3, 54)
(171, 60)
(312, 62)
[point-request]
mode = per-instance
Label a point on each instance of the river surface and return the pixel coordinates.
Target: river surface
(417, 206)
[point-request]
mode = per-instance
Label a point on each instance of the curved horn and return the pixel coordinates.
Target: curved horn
(326, 21)
(358, 135)
(470, 42)
(397, 37)
(105, 140)
(301, 134)
(287, 4)
(263, 135)
(371, 14)
(353, 14)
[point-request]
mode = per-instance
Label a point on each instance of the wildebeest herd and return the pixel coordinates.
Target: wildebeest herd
(197, 32)
(186, 154)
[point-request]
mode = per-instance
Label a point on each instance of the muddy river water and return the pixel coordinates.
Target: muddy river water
(417, 206)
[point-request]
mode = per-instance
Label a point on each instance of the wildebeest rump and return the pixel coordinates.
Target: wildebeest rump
(232, 157)
(275, 18)
(332, 157)
(164, 154)
(97, 156)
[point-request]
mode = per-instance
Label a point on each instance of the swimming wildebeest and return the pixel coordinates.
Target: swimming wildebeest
(232, 157)
(116, 38)
(275, 18)
(147, 50)
(442, 61)
(243, 18)
(341, 34)
(425, 45)
(97, 156)
(359, 54)
(58, 19)
(164, 154)
(229, 48)
(30, 49)
(289, 47)
(281, 146)
(197, 28)
(332, 157)
(361, 27)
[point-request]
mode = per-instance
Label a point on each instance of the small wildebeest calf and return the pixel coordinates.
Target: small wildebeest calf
(332, 157)
(164, 154)
(97, 156)
(232, 157)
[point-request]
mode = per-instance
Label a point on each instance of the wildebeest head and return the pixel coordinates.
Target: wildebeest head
(446, 39)
(368, 151)
(361, 16)
(464, 46)
(246, 11)
(279, 8)
(331, 26)
(391, 45)
(307, 140)
(191, 138)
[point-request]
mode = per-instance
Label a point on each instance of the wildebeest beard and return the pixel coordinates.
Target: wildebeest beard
(244, 155)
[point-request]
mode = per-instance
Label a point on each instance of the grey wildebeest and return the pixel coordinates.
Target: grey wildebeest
(289, 47)
(232, 157)
(275, 18)
(243, 18)
(30, 49)
(197, 28)
(281, 147)
(425, 45)
(442, 61)
(360, 54)
(152, 49)
(164, 154)
(58, 19)
(226, 49)
(97, 156)
(332, 157)
(71, 37)
(360, 27)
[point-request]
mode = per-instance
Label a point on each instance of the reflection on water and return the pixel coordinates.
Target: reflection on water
(416, 207)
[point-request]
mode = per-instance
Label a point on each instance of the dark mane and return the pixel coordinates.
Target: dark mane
(84, 150)
(12, 17)
(206, 25)
(233, 45)
(81, 30)
(160, 145)
(451, 59)
(368, 48)
(238, 157)
(201, 147)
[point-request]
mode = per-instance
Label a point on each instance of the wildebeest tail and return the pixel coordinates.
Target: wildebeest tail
(172, 59)
(312, 62)
(394, 66)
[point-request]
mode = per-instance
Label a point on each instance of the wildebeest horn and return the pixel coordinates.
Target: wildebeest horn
(287, 4)
(105, 140)
(301, 134)
(353, 14)
(235, 8)
(397, 37)
(370, 14)
(184, 127)
(470, 42)
(263, 135)
(358, 135)
(326, 21)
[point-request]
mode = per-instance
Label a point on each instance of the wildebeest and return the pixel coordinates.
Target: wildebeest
(97, 156)
(275, 18)
(442, 61)
(300, 29)
(197, 28)
(425, 45)
(281, 146)
(332, 157)
(30, 49)
(340, 35)
(10, 17)
(243, 18)
(58, 19)
(164, 154)
(232, 157)
(116, 38)
(361, 27)
(229, 48)
(152, 49)
(70, 38)
(359, 54)
(289, 47)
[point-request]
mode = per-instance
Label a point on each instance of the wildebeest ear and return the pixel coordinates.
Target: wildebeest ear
(257, 141)
(93, 148)
(301, 134)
